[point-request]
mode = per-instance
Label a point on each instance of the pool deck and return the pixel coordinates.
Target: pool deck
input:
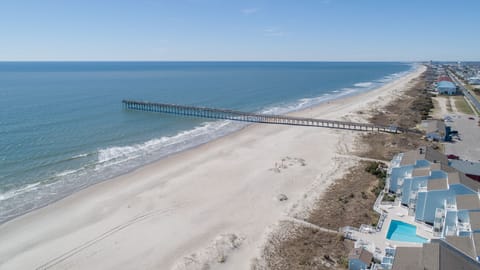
(376, 242)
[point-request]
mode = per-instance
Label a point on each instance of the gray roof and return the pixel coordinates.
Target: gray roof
(457, 177)
(410, 258)
(474, 221)
(361, 254)
(437, 184)
(468, 202)
(409, 158)
(439, 254)
(464, 244)
(431, 256)
(436, 166)
(446, 168)
(435, 126)
(421, 171)
(435, 156)
(452, 257)
(476, 242)
(469, 182)
(423, 152)
(466, 166)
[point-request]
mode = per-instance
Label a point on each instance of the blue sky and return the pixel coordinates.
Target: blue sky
(294, 30)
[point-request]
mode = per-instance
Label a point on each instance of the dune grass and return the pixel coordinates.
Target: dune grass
(462, 105)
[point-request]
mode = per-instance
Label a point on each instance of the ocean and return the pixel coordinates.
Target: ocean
(63, 127)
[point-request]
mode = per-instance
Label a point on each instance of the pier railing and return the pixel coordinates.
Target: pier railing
(226, 114)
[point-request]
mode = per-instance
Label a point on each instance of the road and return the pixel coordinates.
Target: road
(473, 100)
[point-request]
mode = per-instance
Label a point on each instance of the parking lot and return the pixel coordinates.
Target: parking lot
(467, 144)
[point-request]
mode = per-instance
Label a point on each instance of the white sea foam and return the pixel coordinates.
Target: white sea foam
(67, 172)
(357, 88)
(165, 145)
(79, 156)
(12, 193)
(363, 84)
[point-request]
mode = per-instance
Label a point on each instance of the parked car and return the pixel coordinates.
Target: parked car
(452, 156)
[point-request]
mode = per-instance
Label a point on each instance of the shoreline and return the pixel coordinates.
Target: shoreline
(295, 112)
(167, 200)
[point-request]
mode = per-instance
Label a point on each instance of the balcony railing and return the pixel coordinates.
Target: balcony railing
(450, 231)
(422, 189)
(464, 227)
(450, 206)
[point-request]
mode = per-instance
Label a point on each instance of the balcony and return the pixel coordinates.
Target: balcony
(463, 227)
(450, 206)
(413, 195)
(450, 231)
(439, 213)
(400, 182)
(422, 189)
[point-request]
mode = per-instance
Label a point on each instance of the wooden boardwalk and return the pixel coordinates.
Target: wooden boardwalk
(253, 117)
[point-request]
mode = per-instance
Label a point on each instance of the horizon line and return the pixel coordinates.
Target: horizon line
(230, 61)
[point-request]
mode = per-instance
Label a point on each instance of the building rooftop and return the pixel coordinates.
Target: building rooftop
(446, 84)
(423, 152)
(437, 184)
(408, 258)
(464, 244)
(438, 254)
(361, 254)
(446, 168)
(435, 126)
(456, 177)
(421, 172)
(466, 166)
(444, 78)
(474, 221)
(435, 166)
(468, 202)
(476, 243)
(431, 255)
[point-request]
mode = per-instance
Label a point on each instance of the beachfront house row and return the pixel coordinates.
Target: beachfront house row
(434, 192)
(444, 198)
(403, 165)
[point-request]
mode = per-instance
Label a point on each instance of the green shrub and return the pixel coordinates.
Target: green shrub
(379, 170)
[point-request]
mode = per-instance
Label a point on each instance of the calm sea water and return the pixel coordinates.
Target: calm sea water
(62, 126)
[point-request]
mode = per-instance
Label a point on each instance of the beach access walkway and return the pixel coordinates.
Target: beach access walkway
(226, 114)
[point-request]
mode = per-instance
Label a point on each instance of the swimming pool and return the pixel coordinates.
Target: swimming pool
(404, 232)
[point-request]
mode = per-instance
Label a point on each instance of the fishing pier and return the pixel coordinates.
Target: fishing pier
(204, 112)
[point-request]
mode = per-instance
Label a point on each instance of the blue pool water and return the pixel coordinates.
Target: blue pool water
(404, 232)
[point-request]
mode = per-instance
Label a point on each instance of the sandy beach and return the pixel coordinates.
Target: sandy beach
(209, 206)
